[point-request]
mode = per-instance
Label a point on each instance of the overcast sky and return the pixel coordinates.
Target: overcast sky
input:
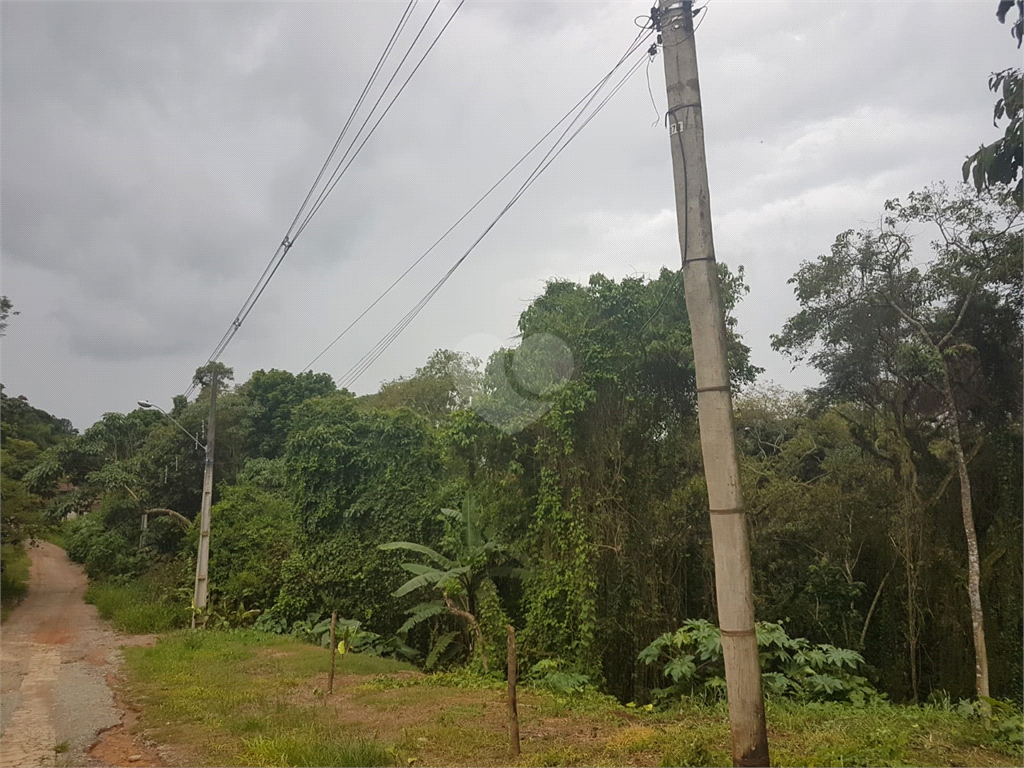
(154, 154)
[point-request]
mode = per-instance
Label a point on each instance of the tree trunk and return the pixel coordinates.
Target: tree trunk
(474, 626)
(871, 611)
(973, 559)
(907, 541)
(966, 505)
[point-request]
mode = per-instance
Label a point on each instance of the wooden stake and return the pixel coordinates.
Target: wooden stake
(513, 710)
(334, 652)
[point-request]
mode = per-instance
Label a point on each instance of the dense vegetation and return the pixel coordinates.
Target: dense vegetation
(559, 487)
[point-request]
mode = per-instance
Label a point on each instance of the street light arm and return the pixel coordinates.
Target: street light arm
(147, 404)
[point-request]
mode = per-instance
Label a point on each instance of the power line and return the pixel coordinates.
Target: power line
(370, 357)
(339, 172)
(472, 208)
(557, 148)
(359, 102)
(292, 234)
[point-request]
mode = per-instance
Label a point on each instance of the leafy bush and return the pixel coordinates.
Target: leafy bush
(103, 552)
(78, 536)
(254, 537)
(348, 633)
(552, 675)
(13, 576)
(1003, 722)
(136, 608)
(226, 615)
(691, 658)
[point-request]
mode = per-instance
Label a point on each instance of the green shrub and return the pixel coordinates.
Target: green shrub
(13, 577)
(691, 658)
(79, 534)
(556, 676)
(104, 552)
(254, 538)
(1002, 720)
(137, 608)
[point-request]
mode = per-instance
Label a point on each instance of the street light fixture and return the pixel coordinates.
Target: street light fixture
(199, 595)
(147, 404)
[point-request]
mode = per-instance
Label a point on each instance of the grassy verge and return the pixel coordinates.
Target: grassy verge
(14, 579)
(132, 608)
(248, 698)
(54, 534)
(245, 698)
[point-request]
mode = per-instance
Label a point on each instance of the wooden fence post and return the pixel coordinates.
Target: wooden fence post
(334, 652)
(513, 710)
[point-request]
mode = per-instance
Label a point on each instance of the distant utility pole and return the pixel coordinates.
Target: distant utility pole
(733, 583)
(203, 558)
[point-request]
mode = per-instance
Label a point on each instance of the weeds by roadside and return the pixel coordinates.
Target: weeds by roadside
(55, 535)
(243, 697)
(13, 578)
(136, 607)
(247, 698)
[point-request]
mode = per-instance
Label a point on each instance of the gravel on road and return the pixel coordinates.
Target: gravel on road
(57, 662)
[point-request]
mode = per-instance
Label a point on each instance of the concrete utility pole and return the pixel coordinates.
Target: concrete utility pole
(203, 557)
(733, 581)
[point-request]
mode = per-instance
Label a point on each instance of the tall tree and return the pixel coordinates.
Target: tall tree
(877, 321)
(602, 452)
(444, 384)
(273, 396)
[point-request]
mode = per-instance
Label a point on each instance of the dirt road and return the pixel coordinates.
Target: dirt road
(56, 661)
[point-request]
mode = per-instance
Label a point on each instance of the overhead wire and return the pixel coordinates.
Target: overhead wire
(292, 233)
(369, 358)
(406, 15)
(389, 338)
(340, 171)
(472, 208)
(286, 244)
(557, 148)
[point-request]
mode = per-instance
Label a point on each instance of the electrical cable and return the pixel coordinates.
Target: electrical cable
(650, 92)
(292, 234)
(475, 205)
(336, 176)
(359, 102)
(370, 357)
(332, 182)
(382, 345)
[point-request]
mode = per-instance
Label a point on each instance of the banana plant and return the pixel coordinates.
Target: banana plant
(456, 577)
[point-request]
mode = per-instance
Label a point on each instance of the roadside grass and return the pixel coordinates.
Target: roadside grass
(133, 608)
(14, 579)
(54, 534)
(231, 698)
(246, 698)
(884, 734)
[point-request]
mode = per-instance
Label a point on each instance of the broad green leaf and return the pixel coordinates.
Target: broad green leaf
(437, 557)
